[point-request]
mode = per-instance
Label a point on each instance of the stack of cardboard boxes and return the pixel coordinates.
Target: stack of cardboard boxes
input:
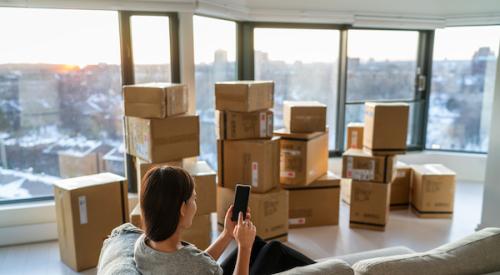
(428, 188)
(373, 168)
(314, 191)
(159, 132)
(249, 154)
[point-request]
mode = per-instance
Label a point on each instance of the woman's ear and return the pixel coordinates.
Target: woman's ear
(183, 209)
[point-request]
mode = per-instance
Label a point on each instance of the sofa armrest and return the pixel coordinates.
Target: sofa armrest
(332, 266)
(478, 253)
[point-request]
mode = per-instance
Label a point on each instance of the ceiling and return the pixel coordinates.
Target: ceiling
(422, 14)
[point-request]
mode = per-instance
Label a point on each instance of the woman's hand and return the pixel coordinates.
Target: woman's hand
(244, 233)
(229, 225)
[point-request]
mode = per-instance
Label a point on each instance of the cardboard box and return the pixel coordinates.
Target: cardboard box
(386, 127)
(304, 116)
(355, 135)
(345, 190)
(360, 165)
(142, 167)
(316, 204)
(369, 205)
(241, 125)
(155, 100)
(433, 191)
(200, 232)
(162, 140)
(269, 211)
(244, 96)
(205, 186)
(87, 209)
(135, 216)
(400, 186)
(252, 162)
(303, 156)
(76, 165)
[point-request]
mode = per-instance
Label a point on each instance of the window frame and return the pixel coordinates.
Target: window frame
(430, 59)
(246, 70)
(237, 41)
(424, 62)
(246, 61)
(127, 65)
(51, 197)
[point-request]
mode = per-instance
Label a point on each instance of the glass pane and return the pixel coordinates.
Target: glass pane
(381, 65)
(60, 98)
(215, 60)
(463, 83)
(356, 112)
(151, 48)
(303, 63)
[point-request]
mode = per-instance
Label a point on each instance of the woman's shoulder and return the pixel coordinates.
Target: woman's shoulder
(187, 260)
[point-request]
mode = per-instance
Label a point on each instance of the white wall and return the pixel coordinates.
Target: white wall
(491, 196)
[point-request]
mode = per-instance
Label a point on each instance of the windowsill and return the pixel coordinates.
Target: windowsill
(38, 218)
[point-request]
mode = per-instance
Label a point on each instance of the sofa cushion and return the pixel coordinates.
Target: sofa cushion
(351, 259)
(478, 253)
(117, 253)
(332, 266)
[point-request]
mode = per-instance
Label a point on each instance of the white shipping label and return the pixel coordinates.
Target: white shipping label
(287, 174)
(270, 126)
(349, 167)
(295, 221)
(82, 205)
(363, 174)
(360, 174)
(354, 139)
(290, 152)
(255, 173)
(263, 124)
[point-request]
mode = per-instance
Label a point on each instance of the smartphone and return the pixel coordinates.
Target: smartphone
(241, 197)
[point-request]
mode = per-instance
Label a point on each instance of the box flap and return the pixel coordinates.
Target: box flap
(433, 169)
(244, 82)
(304, 104)
(86, 181)
(198, 168)
(303, 136)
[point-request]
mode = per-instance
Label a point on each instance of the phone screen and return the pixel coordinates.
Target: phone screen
(241, 197)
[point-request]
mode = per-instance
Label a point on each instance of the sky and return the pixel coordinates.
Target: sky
(79, 37)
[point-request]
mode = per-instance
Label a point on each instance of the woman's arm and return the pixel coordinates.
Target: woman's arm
(244, 233)
(218, 247)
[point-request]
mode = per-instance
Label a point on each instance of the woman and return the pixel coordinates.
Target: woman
(168, 205)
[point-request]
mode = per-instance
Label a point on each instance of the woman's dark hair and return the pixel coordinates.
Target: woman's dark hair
(164, 189)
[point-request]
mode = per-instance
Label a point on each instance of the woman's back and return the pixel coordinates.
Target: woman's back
(187, 260)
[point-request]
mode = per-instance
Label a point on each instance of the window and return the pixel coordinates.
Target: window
(303, 63)
(151, 48)
(463, 83)
(382, 66)
(215, 60)
(60, 98)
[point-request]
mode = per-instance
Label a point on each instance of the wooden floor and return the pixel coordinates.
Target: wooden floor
(403, 229)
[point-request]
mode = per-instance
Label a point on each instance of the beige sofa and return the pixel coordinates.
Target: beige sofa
(478, 253)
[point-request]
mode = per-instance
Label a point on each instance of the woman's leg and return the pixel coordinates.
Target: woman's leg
(230, 262)
(276, 257)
